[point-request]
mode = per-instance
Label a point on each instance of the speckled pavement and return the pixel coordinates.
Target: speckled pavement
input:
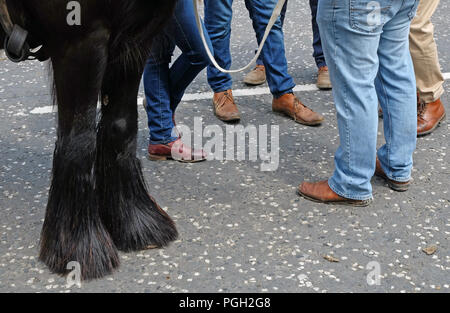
(241, 230)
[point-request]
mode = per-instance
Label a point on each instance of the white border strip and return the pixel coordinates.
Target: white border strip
(208, 95)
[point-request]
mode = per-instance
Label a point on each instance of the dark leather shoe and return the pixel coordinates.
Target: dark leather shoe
(225, 108)
(322, 193)
(291, 106)
(394, 185)
(429, 116)
(175, 151)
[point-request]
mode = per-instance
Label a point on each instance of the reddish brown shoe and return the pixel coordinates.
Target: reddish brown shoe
(225, 108)
(322, 193)
(394, 185)
(291, 106)
(175, 151)
(429, 116)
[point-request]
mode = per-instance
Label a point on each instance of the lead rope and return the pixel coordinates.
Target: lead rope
(276, 13)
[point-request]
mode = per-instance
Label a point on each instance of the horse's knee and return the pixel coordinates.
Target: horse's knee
(119, 126)
(77, 150)
(118, 134)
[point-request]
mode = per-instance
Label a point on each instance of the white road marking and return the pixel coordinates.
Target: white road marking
(208, 95)
(44, 110)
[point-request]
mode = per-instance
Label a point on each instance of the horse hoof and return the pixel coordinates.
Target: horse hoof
(92, 249)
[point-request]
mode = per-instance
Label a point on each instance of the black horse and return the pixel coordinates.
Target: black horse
(2, 38)
(98, 199)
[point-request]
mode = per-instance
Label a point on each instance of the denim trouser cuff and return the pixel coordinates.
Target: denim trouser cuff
(396, 179)
(321, 63)
(221, 88)
(280, 94)
(163, 142)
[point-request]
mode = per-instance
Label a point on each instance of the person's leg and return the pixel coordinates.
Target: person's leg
(425, 54)
(396, 88)
(218, 15)
(194, 58)
(282, 17)
(280, 82)
(274, 57)
(428, 72)
(157, 91)
(258, 75)
(350, 45)
(317, 43)
(323, 75)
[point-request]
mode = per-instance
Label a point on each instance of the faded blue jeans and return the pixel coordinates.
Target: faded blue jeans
(164, 85)
(218, 16)
(367, 50)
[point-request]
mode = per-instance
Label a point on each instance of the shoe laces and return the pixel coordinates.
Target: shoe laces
(421, 107)
(298, 104)
(226, 96)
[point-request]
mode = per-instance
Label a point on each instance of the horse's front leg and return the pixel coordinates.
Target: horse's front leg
(73, 230)
(132, 217)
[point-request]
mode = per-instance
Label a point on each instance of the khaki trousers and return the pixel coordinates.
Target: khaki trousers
(425, 54)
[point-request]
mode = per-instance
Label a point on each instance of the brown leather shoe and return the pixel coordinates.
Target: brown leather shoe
(291, 106)
(175, 151)
(429, 116)
(224, 106)
(323, 79)
(256, 77)
(394, 185)
(322, 193)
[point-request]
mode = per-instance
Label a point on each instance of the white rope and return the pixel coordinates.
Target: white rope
(276, 13)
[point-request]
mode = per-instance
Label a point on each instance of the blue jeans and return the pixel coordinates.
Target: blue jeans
(317, 43)
(218, 15)
(283, 17)
(367, 50)
(164, 86)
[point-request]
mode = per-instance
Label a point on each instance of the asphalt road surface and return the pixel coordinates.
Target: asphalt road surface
(241, 229)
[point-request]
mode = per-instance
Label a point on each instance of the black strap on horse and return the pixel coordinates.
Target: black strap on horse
(16, 46)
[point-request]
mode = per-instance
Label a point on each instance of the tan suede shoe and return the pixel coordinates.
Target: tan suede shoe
(256, 77)
(291, 106)
(323, 79)
(225, 108)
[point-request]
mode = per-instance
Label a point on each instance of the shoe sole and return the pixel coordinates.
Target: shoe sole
(228, 120)
(325, 87)
(434, 128)
(254, 83)
(354, 203)
(394, 186)
(299, 121)
(153, 157)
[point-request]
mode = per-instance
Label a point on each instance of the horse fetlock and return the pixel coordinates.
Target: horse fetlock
(132, 217)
